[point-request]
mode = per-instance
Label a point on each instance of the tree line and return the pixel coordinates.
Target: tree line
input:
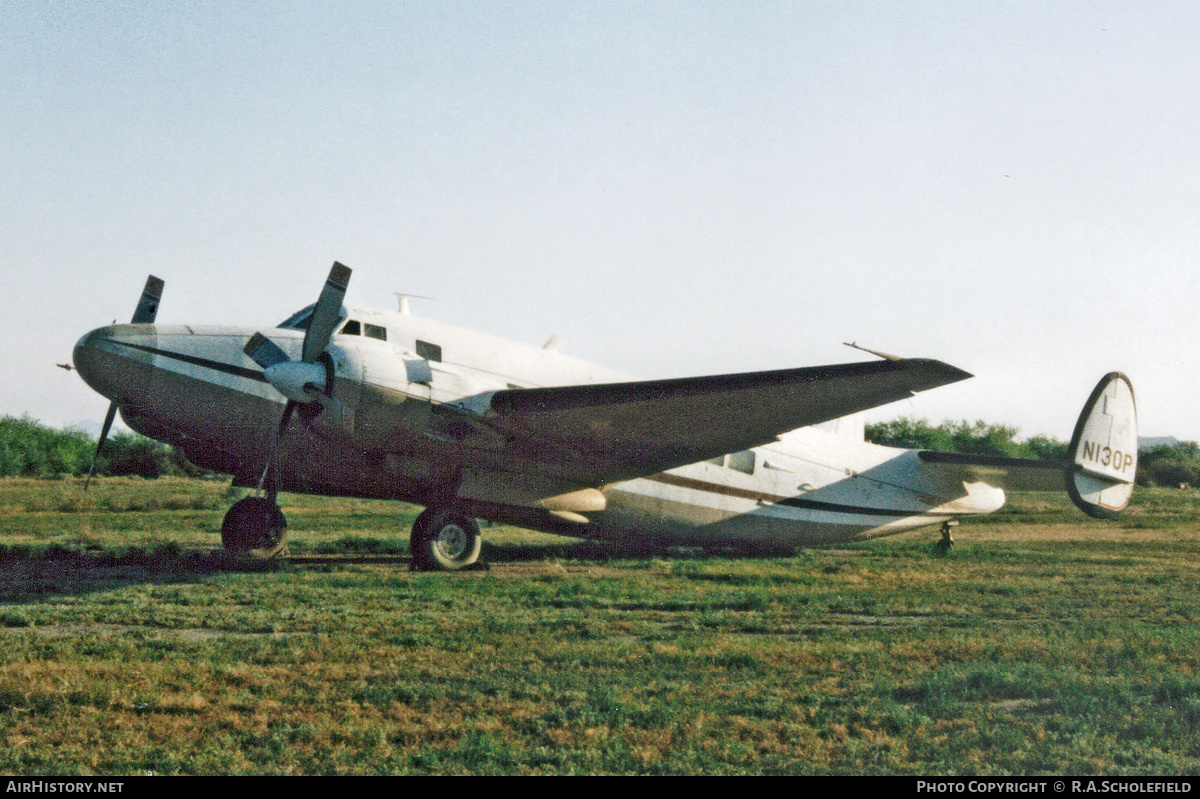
(1169, 465)
(31, 449)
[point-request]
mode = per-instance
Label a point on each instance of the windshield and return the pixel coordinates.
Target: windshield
(300, 319)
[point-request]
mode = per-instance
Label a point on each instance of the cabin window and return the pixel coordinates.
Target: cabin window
(742, 461)
(430, 352)
(351, 328)
(375, 331)
(739, 461)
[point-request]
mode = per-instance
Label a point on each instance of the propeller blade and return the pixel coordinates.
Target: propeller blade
(335, 413)
(108, 420)
(270, 477)
(326, 314)
(147, 307)
(264, 352)
(291, 378)
(283, 423)
(145, 313)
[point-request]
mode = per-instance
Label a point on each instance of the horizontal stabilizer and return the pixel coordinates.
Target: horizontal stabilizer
(1011, 474)
(1101, 463)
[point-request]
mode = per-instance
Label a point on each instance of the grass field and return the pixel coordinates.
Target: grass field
(1046, 642)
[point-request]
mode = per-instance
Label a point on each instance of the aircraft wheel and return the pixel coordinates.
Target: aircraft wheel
(255, 525)
(947, 541)
(421, 521)
(445, 541)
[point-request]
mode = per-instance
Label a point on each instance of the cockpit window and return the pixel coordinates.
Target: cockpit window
(356, 328)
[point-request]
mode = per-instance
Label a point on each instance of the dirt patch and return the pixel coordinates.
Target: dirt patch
(105, 631)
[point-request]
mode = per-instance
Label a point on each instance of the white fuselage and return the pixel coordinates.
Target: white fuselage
(407, 388)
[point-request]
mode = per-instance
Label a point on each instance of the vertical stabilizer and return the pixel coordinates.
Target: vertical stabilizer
(1104, 449)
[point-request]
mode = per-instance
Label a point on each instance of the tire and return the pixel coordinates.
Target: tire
(253, 523)
(421, 521)
(445, 541)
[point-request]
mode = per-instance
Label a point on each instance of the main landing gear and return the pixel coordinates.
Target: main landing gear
(256, 526)
(444, 539)
(944, 546)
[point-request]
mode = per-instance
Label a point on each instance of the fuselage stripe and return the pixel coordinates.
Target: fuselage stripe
(228, 368)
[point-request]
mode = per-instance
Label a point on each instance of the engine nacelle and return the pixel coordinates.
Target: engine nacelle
(291, 378)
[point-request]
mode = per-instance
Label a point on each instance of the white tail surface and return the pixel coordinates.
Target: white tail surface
(1104, 449)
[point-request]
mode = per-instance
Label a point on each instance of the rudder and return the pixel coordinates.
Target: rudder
(1103, 453)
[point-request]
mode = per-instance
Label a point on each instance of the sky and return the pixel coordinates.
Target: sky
(674, 188)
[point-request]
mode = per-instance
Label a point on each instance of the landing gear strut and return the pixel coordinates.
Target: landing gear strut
(444, 539)
(255, 525)
(947, 541)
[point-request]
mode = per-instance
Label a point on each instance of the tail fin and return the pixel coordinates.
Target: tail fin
(1104, 448)
(1100, 466)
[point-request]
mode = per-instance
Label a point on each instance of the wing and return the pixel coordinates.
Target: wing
(1011, 474)
(616, 431)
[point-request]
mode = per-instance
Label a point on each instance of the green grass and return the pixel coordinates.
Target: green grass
(1046, 642)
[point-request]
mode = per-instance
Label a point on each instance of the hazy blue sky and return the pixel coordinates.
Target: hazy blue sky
(676, 188)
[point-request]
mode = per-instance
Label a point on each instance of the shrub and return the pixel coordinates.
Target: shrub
(31, 449)
(977, 438)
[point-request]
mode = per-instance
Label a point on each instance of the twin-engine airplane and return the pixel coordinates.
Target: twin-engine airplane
(353, 401)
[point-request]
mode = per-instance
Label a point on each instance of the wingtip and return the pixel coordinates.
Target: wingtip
(939, 373)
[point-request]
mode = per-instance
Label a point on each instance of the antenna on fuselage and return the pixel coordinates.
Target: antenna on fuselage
(404, 298)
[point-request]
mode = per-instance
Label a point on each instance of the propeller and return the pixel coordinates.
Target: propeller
(303, 382)
(145, 314)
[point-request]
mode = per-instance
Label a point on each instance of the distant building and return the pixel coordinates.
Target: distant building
(1158, 441)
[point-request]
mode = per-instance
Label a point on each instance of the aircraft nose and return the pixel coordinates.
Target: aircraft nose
(93, 362)
(106, 356)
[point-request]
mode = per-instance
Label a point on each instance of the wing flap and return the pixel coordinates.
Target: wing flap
(615, 431)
